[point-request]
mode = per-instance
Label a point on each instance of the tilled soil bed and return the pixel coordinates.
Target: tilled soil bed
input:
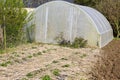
(108, 64)
(34, 61)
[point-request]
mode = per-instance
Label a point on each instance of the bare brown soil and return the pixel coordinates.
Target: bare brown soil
(108, 64)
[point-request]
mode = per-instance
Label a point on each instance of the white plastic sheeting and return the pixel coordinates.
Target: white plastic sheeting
(73, 21)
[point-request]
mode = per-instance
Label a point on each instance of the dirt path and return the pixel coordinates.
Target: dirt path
(33, 61)
(108, 66)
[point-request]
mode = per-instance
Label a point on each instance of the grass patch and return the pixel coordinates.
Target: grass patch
(17, 60)
(23, 53)
(76, 53)
(44, 51)
(56, 72)
(2, 51)
(30, 75)
(55, 61)
(30, 56)
(16, 55)
(64, 59)
(39, 53)
(5, 64)
(83, 55)
(25, 59)
(34, 47)
(24, 79)
(66, 65)
(35, 55)
(46, 77)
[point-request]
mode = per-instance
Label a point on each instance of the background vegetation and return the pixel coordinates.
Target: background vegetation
(109, 8)
(12, 20)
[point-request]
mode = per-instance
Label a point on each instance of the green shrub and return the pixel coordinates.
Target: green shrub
(12, 20)
(77, 43)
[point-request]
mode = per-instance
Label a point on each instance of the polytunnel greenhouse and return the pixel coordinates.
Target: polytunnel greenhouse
(73, 21)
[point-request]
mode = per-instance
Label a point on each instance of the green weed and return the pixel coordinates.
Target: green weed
(56, 72)
(34, 47)
(83, 55)
(5, 64)
(77, 43)
(30, 56)
(35, 55)
(66, 65)
(55, 61)
(24, 79)
(30, 75)
(64, 59)
(44, 51)
(46, 77)
(39, 53)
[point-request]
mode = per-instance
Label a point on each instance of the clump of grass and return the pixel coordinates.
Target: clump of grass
(39, 53)
(56, 72)
(23, 53)
(55, 61)
(76, 53)
(5, 64)
(24, 79)
(16, 55)
(30, 75)
(54, 49)
(30, 56)
(17, 60)
(34, 47)
(46, 77)
(47, 65)
(64, 59)
(2, 51)
(44, 51)
(83, 55)
(14, 52)
(83, 79)
(66, 65)
(35, 55)
(25, 59)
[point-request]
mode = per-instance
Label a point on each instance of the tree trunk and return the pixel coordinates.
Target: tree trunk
(1, 35)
